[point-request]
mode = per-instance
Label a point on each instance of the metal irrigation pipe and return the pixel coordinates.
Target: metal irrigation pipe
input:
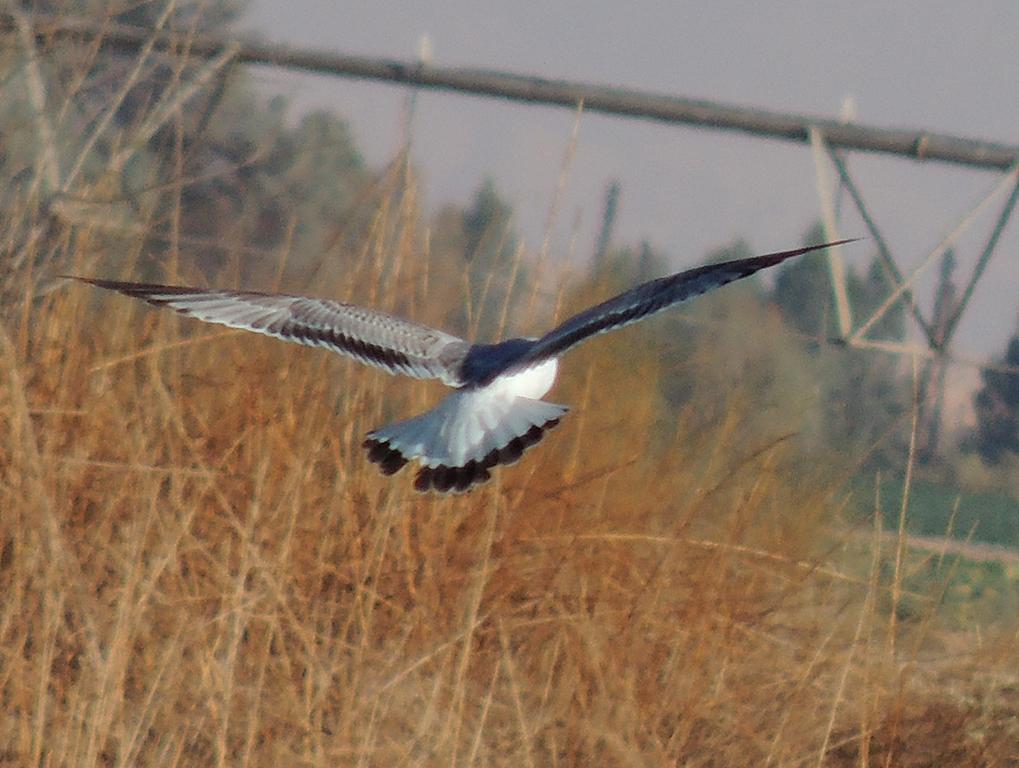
(915, 144)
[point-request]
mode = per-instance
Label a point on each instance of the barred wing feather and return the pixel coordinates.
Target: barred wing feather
(375, 338)
(650, 298)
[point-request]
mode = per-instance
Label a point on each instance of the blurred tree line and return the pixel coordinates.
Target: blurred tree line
(223, 175)
(997, 410)
(230, 180)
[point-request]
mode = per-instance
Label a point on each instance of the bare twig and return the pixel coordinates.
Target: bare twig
(48, 163)
(118, 98)
(171, 102)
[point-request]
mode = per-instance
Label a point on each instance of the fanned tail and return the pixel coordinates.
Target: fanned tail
(459, 441)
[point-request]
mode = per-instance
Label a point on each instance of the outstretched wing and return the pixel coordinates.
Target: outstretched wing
(652, 297)
(372, 337)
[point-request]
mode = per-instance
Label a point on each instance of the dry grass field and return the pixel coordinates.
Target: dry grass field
(199, 567)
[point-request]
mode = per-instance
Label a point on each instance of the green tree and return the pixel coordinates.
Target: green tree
(495, 270)
(486, 224)
(997, 409)
(224, 179)
(861, 391)
(803, 291)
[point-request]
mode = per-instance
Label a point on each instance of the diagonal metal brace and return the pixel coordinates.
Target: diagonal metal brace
(1009, 178)
(981, 265)
(884, 252)
(836, 268)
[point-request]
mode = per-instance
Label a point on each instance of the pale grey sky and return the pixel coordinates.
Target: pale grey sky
(942, 66)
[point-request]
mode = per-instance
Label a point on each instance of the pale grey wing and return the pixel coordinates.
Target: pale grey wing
(650, 298)
(372, 337)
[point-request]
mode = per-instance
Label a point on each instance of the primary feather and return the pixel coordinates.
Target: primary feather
(653, 297)
(497, 412)
(372, 337)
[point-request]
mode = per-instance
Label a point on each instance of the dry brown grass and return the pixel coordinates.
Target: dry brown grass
(200, 568)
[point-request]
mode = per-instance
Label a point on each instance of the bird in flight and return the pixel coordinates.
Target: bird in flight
(495, 412)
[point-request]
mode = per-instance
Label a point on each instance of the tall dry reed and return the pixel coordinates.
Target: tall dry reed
(200, 568)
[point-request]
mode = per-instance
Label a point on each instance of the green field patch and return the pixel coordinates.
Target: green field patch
(988, 517)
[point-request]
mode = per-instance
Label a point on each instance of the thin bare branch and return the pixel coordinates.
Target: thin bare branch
(172, 101)
(48, 162)
(129, 82)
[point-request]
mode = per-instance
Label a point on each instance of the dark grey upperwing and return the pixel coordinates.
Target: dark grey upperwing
(372, 337)
(652, 297)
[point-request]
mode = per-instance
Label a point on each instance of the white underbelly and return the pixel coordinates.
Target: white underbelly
(531, 382)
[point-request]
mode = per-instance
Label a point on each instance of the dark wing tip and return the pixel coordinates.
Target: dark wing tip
(137, 290)
(843, 241)
(832, 244)
(771, 259)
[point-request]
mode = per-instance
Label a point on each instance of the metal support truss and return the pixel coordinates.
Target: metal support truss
(937, 340)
